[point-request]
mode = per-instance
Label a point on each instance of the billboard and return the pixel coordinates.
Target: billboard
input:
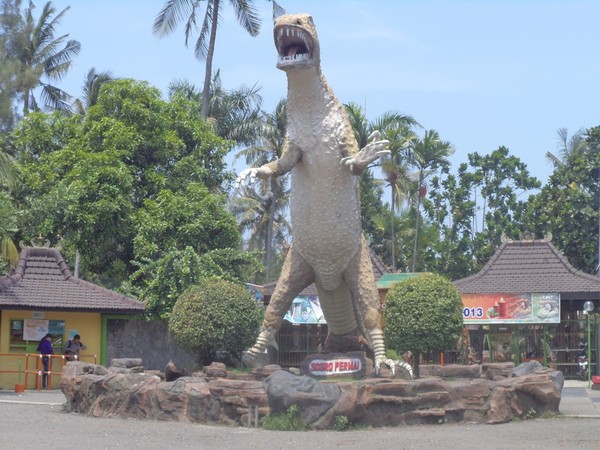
(535, 308)
(305, 309)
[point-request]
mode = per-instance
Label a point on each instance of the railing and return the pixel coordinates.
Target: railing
(35, 368)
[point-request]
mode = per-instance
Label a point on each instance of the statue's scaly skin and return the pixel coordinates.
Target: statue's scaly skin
(323, 156)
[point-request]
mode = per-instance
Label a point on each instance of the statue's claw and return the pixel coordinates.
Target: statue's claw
(248, 176)
(371, 152)
(390, 363)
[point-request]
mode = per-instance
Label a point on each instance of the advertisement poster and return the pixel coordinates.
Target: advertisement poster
(536, 308)
(306, 309)
(34, 329)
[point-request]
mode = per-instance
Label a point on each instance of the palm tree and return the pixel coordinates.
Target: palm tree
(568, 147)
(175, 11)
(42, 55)
(233, 114)
(91, 90)
(398, 129)
(264, 214)
(427, 154)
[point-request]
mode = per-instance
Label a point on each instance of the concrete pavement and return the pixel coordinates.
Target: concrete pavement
(578, 400)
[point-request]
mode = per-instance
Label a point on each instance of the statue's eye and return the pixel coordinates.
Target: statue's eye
(310, 21)
(298, 21)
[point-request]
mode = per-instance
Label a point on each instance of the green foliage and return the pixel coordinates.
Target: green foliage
(422, 314)
(214, 316)
(284, 422)
(567, 206)
(133, 179)
(341, 423)
(160, 282)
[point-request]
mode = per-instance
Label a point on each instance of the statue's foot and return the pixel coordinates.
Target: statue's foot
(266, 338)
(393, 366)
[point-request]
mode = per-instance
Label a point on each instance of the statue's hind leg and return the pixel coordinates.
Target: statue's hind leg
(296, 274)
(365, 298)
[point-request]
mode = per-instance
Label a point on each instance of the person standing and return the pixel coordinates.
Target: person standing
(45, 349)
(73, 348)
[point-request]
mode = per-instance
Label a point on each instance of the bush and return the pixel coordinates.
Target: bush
(423, 314)
(217, 316)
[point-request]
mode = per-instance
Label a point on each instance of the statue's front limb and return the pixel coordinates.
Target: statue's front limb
(371, 152)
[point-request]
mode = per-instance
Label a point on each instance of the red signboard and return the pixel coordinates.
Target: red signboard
(533, 308)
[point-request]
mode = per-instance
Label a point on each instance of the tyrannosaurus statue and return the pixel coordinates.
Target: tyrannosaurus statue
(324, 159)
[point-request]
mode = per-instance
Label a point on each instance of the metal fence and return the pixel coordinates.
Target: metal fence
(557, 346)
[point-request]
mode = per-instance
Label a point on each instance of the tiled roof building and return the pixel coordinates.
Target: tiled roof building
(530, 266)
(42, 281)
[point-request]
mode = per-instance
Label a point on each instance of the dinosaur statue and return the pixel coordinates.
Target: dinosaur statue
(328, 249)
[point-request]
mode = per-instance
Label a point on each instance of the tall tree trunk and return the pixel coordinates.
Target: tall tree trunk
(269, 238)
(393, 234)
(415, 246)
(209, 58)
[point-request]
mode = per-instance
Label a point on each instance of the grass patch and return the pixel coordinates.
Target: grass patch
(290, 421)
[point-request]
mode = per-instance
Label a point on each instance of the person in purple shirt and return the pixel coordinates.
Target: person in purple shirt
(45, 349)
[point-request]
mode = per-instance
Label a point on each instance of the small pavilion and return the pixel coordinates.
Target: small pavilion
(529, 285)
(42, 296)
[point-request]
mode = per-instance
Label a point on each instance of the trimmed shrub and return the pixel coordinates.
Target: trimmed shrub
(217, 316)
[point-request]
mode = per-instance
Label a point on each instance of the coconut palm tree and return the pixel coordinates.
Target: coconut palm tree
(427, 154)
(263, 212)
(399, 130)
(568, 146)
(233, 114)
(176, 11)
(41, 56)
(91, 90)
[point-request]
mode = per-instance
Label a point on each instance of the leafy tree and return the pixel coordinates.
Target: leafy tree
(423, 314)
(160, 282)
(474, 207)
(567, 207)
(88, 179)
(500, 179)
(215, 316)
(40, 55)
(175, 11)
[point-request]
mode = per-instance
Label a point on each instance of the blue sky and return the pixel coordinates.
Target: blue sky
(481, 73)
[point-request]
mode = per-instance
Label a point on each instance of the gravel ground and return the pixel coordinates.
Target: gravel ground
(35, 426)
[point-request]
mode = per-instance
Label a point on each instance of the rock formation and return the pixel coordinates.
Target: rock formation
(492, 393)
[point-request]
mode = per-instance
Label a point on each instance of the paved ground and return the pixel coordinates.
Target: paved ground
(36, 420)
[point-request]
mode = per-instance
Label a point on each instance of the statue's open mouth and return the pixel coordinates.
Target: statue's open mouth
(293, 45)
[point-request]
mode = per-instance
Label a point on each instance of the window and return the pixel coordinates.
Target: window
(17, 343)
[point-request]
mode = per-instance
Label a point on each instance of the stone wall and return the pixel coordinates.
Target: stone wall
(147, 340)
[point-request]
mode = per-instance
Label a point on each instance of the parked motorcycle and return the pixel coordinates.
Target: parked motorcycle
(583, 362)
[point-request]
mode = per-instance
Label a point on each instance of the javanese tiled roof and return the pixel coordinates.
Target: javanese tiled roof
(530, 266)
(42, 281)
(378, 270)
